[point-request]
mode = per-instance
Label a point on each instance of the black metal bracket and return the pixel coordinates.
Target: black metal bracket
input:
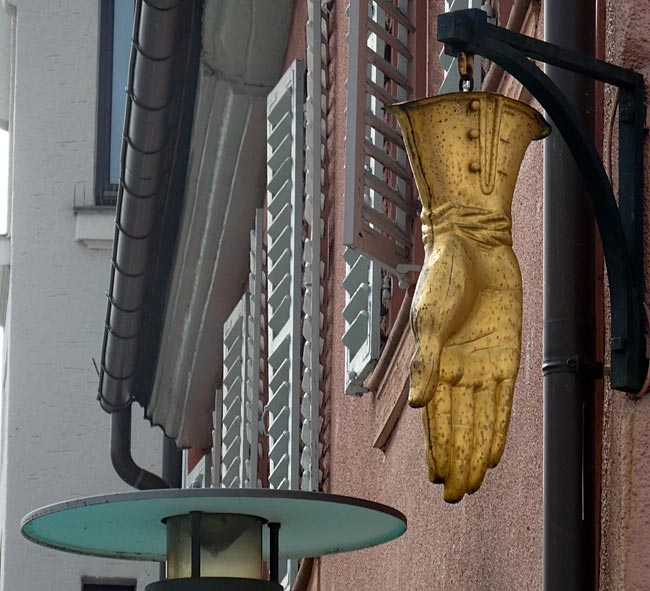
(620, 226)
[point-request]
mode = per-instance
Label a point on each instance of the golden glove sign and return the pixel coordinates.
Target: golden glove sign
(465, 150)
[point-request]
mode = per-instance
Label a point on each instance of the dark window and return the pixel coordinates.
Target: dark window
(116, 26)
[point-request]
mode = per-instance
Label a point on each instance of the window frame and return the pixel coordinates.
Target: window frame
(105, 192)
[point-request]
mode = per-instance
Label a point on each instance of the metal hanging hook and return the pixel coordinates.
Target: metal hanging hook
(465, 72)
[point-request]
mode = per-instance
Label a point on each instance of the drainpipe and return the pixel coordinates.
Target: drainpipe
(570, 337)
(172, 463)
(122, 459)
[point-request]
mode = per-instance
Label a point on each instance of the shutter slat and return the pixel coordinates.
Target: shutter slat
(389, 70)
(280, 177)
(389, 39)
(278, 109)
(386, 130)
(282, 242)
(278, 378)
(280, 154)
(394, 12)
(282, 129)
(386, 160)
(379, 93)
(357, 303)
(277, 269)
(385, 190)
(389, 227)
(357, 332)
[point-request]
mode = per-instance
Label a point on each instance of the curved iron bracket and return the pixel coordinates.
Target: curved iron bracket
(620, 226)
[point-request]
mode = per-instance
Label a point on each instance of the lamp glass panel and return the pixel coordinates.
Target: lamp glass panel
(230, 546)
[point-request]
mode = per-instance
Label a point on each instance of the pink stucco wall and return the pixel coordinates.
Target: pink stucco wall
(493, 539)
(625, 556)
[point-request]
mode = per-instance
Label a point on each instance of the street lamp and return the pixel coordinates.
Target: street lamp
(214, 539)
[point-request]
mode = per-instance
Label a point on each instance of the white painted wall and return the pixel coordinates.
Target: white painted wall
(55, 439)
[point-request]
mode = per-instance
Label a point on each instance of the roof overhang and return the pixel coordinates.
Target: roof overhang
(244, 43)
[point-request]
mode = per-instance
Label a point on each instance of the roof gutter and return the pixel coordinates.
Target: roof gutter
(155, 150)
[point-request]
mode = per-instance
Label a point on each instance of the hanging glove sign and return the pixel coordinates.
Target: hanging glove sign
(465, 150)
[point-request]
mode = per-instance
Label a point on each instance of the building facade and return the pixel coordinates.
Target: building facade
(369, 442)
(277, 345)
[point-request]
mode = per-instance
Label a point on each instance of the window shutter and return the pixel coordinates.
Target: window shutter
(285, 145)
(379, 204)
(362, 286)
(379, 196)
(255, 349)
(285, 169)
(316, 35)
(216, 438)
(450, 78)
(234, 451)
(238, 406)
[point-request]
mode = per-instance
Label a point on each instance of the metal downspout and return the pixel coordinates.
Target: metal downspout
(122, 459)
(172, 463)
(570, 335)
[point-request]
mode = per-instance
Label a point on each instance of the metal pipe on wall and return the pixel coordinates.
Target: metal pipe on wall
(172, 463)
(121, 457)
(569, 326)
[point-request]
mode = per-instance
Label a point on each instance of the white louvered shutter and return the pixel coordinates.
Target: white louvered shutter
(361, 339)
(285, 169)
(316, 35)
(285, 145)
(234, 449)
(239, 403)
(216, 439)
(450, 64)
(255, 348)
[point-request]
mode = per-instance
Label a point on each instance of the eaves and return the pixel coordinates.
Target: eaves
(165, 351)
(244, 44)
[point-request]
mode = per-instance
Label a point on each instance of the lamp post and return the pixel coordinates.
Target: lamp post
(214, 539)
